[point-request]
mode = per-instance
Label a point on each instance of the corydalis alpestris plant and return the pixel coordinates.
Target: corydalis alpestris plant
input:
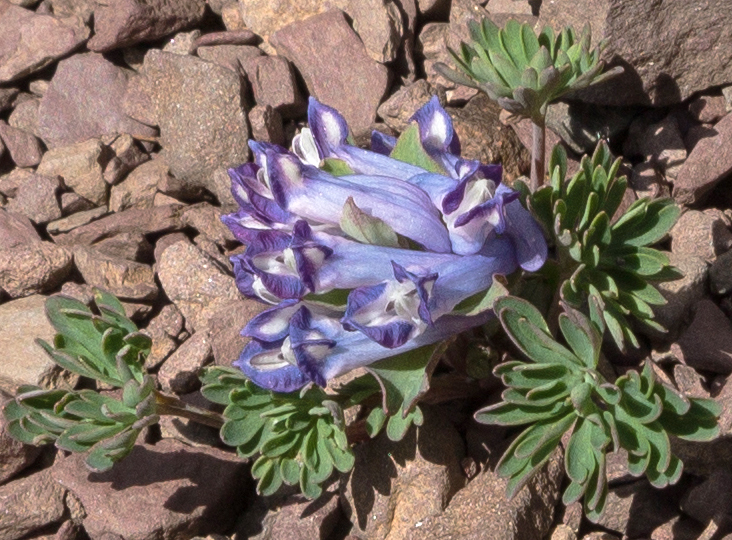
(562, 392)
(524, 72)
(607, 268)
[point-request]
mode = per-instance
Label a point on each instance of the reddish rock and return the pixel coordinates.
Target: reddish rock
(139, 188)
(225, 327)
(36, 199)
(710, 499)
(23, 147)
(705, 234)
(125, 279)
(336, 68)
(708, 163)
(179, 373)
(266, 125)
(229, 56)
(25, 116)
(30, 504)
(707, 343)
(14, 455)
(15, 230)
(708, 109)
(230, 37)
(273, 83)
(126, 22)
(402, 104)
(7, 97)
(77, 219)
(32, 268)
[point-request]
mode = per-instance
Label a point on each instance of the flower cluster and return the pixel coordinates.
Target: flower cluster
(365, 254)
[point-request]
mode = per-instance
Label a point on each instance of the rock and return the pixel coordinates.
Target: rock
(643, 38)
(30, 504)
(139, 188)
(183, 43)
(149, 221)
(646, 181)
(72, 203)
(132, 246)
(242, 36)
(194, 283)
(75, 220)
(273, 83)
(67, 8)
(198, 107)
(678, 528)
(125, 279)
(708, 109)
(38, 87)
(14, 455)
(432, 46)
(707, 343)
(379, 25)
(524, 130)
(206, 219)
(394, 486)
(231, 16)
(650, 508)
(349, 80)
(128, 22)
(30, 41)
(705, 234)
(689, 382)
(7, 98)
(179, 373)
(266, 125)
(168, 322)
(163, 492)
(708, 163)
(162, 347)
(32, 268)
(84, 100)
(720, 274)
(189, 432)
(229, 56)
(399, 108)
(434, 9)
(36, 199)
(81, 166)
(225, 327)
(710, 499)
(127, 156)
(23, 147)
(15, 230)
(659, 143)
(25, 116)
(481, 510)
(483, 137)
(22, 321)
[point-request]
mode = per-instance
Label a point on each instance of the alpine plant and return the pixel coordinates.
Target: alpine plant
(366, 254)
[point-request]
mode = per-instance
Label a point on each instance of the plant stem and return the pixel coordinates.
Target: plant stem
(172, 406)
(538, 151)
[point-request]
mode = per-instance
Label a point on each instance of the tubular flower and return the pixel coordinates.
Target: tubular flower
(365, 254)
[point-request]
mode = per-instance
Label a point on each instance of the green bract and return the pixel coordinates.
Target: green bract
(562, 392)
(525, 72)
(608, 269)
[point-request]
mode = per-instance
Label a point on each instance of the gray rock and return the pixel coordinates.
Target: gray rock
(22, 321)
(84, 100)
(23, 147)
(350, 81)
(705, 234)
(127, 22)
(125, 279)
(16, 230)
(198, 106)
(643, 37)
(266, 125)
(708, 163)
(81, 166)
(32, 268)
(30, 504)
(15, 456)
(77, 219)
(36, 199)
(402, 104)
(162, 492)
(379, 25)
(179, 373)
(273, 83)
(707, 343)
(139, 188)
(194, 283)
(30, 41)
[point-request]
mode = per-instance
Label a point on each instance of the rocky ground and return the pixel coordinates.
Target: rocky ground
(117, 123)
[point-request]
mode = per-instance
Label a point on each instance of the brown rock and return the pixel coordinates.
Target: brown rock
(30, 41)
(434, 9)
(659, 143)
(646, 181)
(720, 274)
(689, 382)
(139, 188)
(708, 163)
(183, 43)
(132, 246)
(206, 219)
(379, 25)
(36, 199)
(127, 22)
(705, 234)
(30, 504)
(707, 343)
(7, 97)
(68, 8)
(225, 328)
(273, 83)
(127, 156)
(399, 108)
(78, 219)
(168, 322)
(162, 347)
(708, 109)
(266, 125)
(32, 268)
(192, 433)
(72, 203)
(229, 56)
(231, 16)
(163, 492)
(24, 148)
(15, 230)
(125, 279)
(349, 80)
(81, 166)
(179, 373)
(194, 283)
(25, 116)
(242, 36)
(710, 499)
(14, 455)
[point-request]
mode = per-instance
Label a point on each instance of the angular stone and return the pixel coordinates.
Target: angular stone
(127, 22)
(646, 181)
(85, 100)
(708, 109)
(229, 56)
(190, 432)
(720, 274)
(225, 327)
(206, 219)
(125, 279)
(179, 373)
(231, 16)
(36, 199)
(350, 81)
(72, 203)
(81, 166)
(689, 382)
(32, 268)
(402, 104)
(139, 188)
(23, 147)
(434, 9)
(394, 486)
(15, 230)
(78, 219)
(198, 106)
(659, 143)
(25, 116)
(273, 83)
(68, 8)
(242, 36)
(643, 37)
(7, 98)
(707, 343)
(132, 246)
(711, 498)
(164, 492)
(30, 504)
(379, 25)
(708, 163)
(705, 234)
(194, 283)
(266, 125)
(183, 43)
(22, 321)
(15, 456)
(30, 41)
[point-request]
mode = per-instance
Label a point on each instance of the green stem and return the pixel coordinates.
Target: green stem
(172, 406)
(538, 152)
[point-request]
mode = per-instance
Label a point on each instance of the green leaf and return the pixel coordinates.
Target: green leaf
(336, 167)
(289, 471)
(581, 336)
(512, 414)
(699, 423)
(365, 228)
(375, 421)
(398, 425)
(482, 301)
(280, 444)
(343, 460)
(240, 432)
(410, 150)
